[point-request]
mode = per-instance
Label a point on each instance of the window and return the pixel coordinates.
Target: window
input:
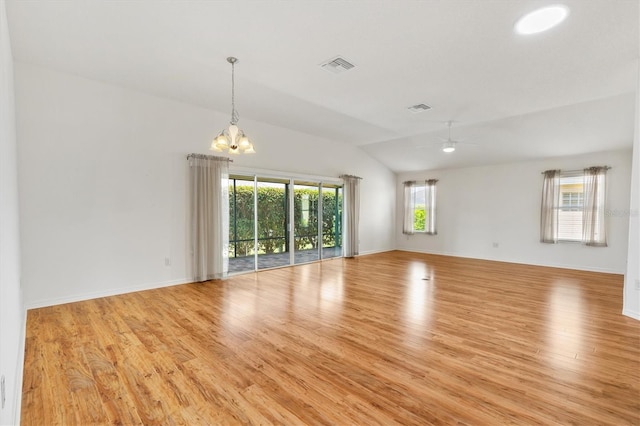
(572, 201)
(420, 207)
(570, 207)
(573, 205)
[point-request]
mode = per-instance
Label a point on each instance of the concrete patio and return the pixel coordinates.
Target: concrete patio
(274, 260)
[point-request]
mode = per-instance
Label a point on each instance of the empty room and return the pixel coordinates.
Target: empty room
(389, 212)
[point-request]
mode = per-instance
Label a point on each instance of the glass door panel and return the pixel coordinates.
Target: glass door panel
(331, 221)
(306, 226)
(241, 224)
(273, 215)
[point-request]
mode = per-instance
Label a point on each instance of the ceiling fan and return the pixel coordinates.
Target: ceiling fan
(449, 145)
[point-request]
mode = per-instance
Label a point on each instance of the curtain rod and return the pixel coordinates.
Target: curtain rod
(423, 180)
(578, 170)
(350, 176)
(208, 157)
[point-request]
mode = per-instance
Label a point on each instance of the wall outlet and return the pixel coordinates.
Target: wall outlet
(496, 245)
(637, 284)
(167, 261)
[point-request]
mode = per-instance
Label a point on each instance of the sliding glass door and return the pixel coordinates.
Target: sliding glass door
(273, 217)
(306, 225)
(241, 224)
(275, 222)
(331, 221)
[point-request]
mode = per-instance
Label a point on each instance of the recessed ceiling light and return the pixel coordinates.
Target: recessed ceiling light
(542, 19)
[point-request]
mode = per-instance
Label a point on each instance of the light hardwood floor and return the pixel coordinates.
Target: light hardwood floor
(348, 341)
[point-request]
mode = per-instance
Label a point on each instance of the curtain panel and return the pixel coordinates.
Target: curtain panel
(409, 202)
(351, 215)
(593, 220)
(549, 207)
(209, 189)
(430, 198)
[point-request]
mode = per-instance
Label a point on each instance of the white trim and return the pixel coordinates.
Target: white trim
(248, 171)
(255, 221)
(521, 262)
(113, 292)
(291, 227)
(19, 371)
(365, 253)
(631, 314)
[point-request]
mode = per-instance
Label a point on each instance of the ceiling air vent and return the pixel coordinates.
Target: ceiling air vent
(337, 65)
(419, 108)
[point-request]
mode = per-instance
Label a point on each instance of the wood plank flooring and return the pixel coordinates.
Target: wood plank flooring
(360, 341)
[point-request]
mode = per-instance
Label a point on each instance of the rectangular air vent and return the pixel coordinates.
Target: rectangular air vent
(419, 108)
(337, 65)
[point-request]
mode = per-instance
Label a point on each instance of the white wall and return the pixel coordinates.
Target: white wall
(103, 183)
(478, 206)
(12, 316)
(632, 278)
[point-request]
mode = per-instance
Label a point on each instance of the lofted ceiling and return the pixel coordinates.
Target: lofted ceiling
(567, 91)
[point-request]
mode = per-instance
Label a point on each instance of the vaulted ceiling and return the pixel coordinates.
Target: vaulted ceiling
(567, 91)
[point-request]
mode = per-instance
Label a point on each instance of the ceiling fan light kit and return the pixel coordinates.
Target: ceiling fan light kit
(448, 146)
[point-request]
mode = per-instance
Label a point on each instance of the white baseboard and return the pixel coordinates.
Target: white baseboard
(522, 262)
(17, 397)
(96, 294)
(364, 253)
(631, 314)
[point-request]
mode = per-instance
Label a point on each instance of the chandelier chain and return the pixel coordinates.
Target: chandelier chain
(234, 114)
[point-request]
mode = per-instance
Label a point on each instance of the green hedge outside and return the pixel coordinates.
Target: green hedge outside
(419, 218)
(272, 220)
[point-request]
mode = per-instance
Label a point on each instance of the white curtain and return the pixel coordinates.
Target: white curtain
(550, 205)
(351, 214)
(208, 176)
(593, 226)
(409, 203)
(430, 201)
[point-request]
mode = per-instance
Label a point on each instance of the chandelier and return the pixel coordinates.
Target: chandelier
(232, 139)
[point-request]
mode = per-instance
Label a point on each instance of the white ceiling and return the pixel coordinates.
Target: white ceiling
(566, 91)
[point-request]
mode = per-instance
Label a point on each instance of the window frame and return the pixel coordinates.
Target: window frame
(587, 216)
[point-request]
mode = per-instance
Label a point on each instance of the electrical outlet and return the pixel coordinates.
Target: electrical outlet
(167, 261)
(637, 284)
(496, 245)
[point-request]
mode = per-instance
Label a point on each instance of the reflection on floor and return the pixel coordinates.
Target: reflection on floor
(273, 260)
